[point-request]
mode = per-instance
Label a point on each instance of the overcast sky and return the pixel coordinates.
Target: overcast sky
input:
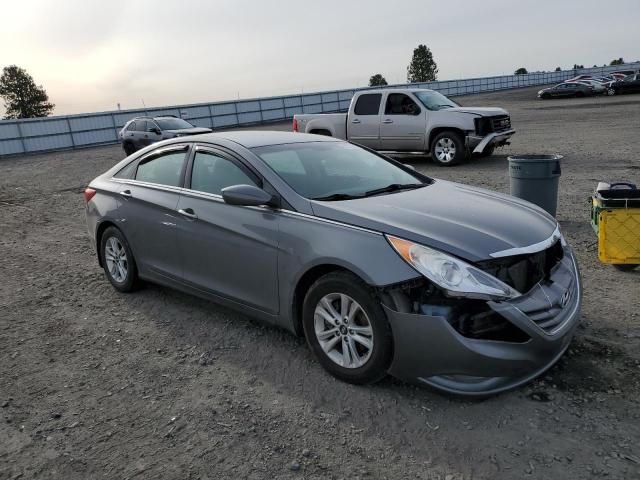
(91, 55)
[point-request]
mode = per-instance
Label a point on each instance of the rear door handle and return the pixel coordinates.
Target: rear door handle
(355, 120)
(188, 212)
(126, 193)
(387, 120)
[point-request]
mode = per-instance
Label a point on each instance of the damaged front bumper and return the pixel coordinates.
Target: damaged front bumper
(428, 349)
(477, 144)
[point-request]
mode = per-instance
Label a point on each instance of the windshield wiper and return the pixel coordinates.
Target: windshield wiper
(394, 187)
(337, 196)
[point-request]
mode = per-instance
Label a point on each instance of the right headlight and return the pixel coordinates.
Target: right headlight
(456, 277)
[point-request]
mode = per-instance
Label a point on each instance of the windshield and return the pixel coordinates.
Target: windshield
(336, 170)
(172, 123)
(434, 100)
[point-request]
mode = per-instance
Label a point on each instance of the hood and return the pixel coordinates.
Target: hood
(188, 131)
(481, 111)
(468, 222)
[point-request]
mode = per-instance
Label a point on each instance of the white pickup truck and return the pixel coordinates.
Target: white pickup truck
(414, 120)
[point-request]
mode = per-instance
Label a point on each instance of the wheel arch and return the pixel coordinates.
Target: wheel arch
(438, 130)
(102, 226)
(303, 284)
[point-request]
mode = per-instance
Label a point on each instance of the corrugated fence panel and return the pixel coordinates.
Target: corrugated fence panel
(44, 127)
(75, 131)
(9, 130)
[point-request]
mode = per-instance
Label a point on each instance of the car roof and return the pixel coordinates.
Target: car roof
(263, 138)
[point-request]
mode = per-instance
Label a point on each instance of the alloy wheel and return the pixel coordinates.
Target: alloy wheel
(116, 258)
(445, 150)
(343, 330)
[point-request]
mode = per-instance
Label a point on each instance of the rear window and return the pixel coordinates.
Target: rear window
(368, 104)
(164, 170)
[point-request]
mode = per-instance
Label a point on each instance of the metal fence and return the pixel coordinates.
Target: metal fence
(92, 129)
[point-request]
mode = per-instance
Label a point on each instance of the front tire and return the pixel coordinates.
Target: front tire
(447, 149)
(347, 329)
(117, 260)
(611, 92)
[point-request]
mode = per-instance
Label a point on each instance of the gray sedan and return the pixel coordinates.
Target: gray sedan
(382, 269)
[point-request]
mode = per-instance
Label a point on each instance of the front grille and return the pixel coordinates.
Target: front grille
(523, 272)
(501, 123)
(497, 123)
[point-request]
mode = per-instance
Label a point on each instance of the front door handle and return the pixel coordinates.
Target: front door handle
(126, 193)
(387, 120)
(355, 120)
(188, 212)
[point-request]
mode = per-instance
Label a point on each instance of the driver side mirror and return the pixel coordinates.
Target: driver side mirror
(156, 130)
(247, 195)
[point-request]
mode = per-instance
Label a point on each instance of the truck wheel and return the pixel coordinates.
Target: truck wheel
(325, 133)
(447, 149)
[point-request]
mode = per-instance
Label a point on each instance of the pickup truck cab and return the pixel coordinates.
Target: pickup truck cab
(414, 120)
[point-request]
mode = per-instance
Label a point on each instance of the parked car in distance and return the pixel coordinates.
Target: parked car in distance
(598, 88)
(566, 90)
(625, 73)
(630, 84)
(382, 269)
(579, 77)
(141, 132)
(414, 120)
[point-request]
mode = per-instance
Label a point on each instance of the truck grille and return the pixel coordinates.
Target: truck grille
(497, 123)
(501, 123)
(523, 272)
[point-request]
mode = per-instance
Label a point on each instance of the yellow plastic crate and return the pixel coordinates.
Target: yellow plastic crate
(619, 236)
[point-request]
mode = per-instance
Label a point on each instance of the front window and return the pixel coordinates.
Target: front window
(172, 123)
(434, 100)
(211, 173)
(336, 170)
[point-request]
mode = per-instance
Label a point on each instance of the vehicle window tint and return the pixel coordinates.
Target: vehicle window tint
(368, 104)
(150, 126)
(164, 170)
(211, 173)
(127, 172)
(400, 104)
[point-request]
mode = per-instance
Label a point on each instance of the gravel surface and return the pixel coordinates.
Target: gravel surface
(158, 384)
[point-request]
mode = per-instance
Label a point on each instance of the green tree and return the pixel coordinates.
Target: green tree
(521, 71)
(423, 67)
(577, 67)
(22, 97)
(558, 69)
(619, 61)
(377, 80)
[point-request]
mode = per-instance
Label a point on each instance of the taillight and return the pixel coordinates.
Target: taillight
(88, 194)
(295, 125)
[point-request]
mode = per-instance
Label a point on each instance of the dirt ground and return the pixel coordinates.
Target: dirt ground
(157, 384)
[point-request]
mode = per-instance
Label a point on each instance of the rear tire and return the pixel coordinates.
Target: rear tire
(128, 148)
(117, 260)
(325, 133)
(447, 149)
(579, 95)
(361, 330)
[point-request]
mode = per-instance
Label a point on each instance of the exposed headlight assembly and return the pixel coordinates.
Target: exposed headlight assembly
(455, 277)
